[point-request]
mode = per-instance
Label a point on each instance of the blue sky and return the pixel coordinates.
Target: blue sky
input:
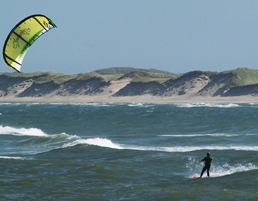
(171, 35)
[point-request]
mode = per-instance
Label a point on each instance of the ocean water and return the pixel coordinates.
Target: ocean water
(130, 151)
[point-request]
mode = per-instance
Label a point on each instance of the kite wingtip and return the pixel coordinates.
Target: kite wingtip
(16, 69)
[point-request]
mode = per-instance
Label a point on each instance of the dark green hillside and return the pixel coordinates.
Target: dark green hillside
(138, 76)
(41, 77)
(57, 78)
(243, 76)
(126, 70)
(86, 76)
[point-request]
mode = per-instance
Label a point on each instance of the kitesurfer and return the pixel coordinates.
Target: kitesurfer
(207, 164)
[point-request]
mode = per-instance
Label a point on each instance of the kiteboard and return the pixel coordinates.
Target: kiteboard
(195, 177)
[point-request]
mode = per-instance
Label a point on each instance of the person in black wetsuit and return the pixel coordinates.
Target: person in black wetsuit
(207, 164)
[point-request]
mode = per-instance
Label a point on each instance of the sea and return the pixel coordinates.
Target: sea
(128, 151)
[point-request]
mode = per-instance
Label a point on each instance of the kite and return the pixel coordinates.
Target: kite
(22, 36)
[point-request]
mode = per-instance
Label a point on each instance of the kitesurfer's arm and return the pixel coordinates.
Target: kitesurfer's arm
(203, 159)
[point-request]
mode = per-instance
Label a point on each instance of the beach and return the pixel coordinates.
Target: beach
(128, 99)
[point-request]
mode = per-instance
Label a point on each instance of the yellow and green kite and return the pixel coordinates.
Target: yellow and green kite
(22, 36)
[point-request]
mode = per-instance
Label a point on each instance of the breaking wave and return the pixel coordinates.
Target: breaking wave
(7, 130)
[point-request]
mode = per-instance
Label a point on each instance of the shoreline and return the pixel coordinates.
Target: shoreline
(130, 99)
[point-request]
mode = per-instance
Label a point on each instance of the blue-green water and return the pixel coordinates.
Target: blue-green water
(128, 151)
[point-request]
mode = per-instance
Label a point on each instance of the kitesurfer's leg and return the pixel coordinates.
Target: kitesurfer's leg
(208, 171)
(203, 170)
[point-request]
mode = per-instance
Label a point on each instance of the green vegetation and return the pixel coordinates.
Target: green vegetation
(108, 74)
(243, 76)
(41, 77)
(23, 75)
(149, 77)
(126, 70)
(86, 76)
(144, 79)
(57, 78)
(239, 77)
(112, 77)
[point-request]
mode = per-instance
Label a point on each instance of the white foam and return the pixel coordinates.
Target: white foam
(190, 105)
(216, 170)
(225, 169)
(201, 135)
(94, 141)
(102, 142)
(197, 148)
(189, 148)
(90, 104)
(135, 104)
(7, 130)
(12, 157)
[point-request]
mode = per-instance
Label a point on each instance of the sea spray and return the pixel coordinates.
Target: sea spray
(195, 166)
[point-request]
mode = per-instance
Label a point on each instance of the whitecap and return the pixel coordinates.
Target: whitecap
(102, 142)
(21, 131)
(12, 157)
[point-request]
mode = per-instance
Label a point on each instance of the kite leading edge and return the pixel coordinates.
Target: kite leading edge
(22, 36)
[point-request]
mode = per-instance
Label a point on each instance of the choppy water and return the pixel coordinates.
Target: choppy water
(128, 151)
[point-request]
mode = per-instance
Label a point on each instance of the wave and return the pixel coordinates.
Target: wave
(203, 135)
(63, 103)
(44, 144)
(34, 142)
(190, 105)
(94, 141)
(88, 104)
(135, 104)
(193, 148)
(227, 169)
(49, 140)
(101, 142)
(12, 157)
(41, 142)
(63, 136)
(7, 130)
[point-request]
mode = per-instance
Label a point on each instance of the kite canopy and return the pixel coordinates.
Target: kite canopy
(22, 36)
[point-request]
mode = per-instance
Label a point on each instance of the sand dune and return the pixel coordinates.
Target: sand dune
(197, 86)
